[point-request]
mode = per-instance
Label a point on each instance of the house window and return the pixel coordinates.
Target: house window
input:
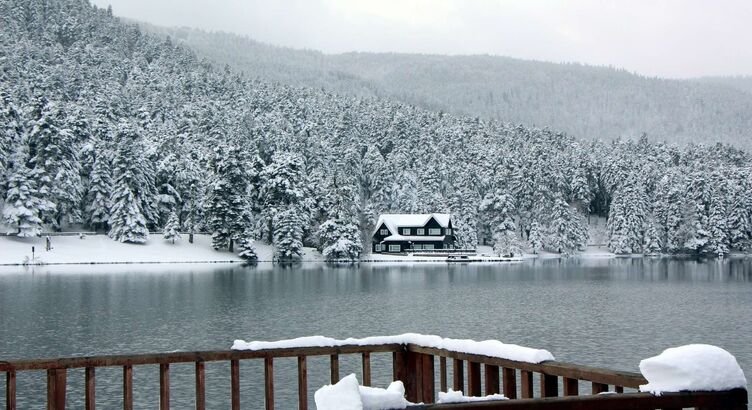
(384, 232)
(448, 231)
(420, 231)
(417, 246)
(379, 247)
(405, 231)
(394, 248)
(428, 246)
(434, 231)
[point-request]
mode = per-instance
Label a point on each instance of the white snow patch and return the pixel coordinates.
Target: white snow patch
(344, 395)
(491, 348)
(452, 396)
(695, 367)
(393, 397)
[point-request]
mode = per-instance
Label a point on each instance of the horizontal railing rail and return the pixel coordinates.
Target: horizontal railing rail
(416, 366)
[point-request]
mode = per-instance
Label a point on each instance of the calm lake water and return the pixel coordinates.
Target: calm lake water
(600, 312)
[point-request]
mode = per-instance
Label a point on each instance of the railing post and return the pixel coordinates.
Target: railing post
(526, 384)
(235, 384)
(10, 390)
(56, 379)
(510, 383)
(334, 368)
(366, 368)
(269, 382)
(90, 395)
(549, 385)
(302, 383)
(491, 373)
(200, 386)
(128, 387)
(428, 380)
(442, 373)
(399, 366)
(473, 379)
(458, 375)
(164, 386)
(413, 391)
(571, 387)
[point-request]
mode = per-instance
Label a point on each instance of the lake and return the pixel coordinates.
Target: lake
(599, 312)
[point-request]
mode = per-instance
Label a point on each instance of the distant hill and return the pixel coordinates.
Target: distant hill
(585, 101)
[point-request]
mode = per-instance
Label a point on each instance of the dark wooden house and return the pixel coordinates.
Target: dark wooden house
(396, 233)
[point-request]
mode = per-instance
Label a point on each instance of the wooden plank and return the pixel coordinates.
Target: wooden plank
(413, 391)
(164, 386)
(128, 387)
(458, 375)
(571, 387)
(561, 369)
(188, 357)
(90, 389)
(599, 388)
(491, 378)
(442, 373)
(269, 382)
(428, 382)
(526, 384)
(549, 385)
(302, 383)
(733, 399)
(200, 386)
(334, 368)
(235, 384)
(510, 383)
(366, 357)
(399, 366)
(56, 386)
(10, 390)
(473, 379)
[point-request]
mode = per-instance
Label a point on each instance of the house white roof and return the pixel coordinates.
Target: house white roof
(439, 238)
(394, 221)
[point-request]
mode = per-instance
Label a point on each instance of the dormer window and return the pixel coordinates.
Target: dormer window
(420, 231)
(405, 231)
(434, 231)
(383, 232)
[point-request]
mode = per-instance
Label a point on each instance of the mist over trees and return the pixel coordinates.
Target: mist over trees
(584, 101)
(105, 127)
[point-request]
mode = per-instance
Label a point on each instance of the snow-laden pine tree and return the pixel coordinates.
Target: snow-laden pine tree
(172, 228)
(227, 202)
(130, 187)
(497, 209)
(535, 237)
(100, 187)
(697, 239)
(339, 236)
(464, 209)
(566, 232)
(24, 204)
(627, 218)
(738, 217)
(282, 187)
(11, 132)
(718, 217)
(651, 244)
(246, 246)
(288, 236)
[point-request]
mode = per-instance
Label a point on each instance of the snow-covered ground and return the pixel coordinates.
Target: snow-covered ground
(102, 249)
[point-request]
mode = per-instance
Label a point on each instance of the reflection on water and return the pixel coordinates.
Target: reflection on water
(601, 312)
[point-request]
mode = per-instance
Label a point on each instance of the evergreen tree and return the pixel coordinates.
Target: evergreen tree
(247, 247)
(100, 186)
(24, 204)
(288, 236)
(172, 228)
(227, 198)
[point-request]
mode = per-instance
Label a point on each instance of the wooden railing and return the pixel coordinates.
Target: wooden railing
(415, 365)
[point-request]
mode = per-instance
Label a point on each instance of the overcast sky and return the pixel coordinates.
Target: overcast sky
(671, 38)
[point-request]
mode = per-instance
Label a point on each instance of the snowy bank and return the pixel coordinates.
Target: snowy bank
(491, 348)
(96, 249)
(694, 367)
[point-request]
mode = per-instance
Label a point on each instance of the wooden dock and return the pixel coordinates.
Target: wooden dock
(423, 370)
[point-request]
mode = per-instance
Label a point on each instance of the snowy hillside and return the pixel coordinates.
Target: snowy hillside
(585, 101)
(105, 127)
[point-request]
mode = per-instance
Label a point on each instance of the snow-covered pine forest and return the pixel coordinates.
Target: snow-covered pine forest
(118, 131)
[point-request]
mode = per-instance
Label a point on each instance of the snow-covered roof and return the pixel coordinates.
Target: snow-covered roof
(394, 221)
(414, 238)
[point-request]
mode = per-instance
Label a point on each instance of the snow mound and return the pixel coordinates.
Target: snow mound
(695, 367)
(452, 396)
(341, 396)
(492, 348)
(348, 395)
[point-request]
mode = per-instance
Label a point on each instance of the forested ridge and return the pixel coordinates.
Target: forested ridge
(581, 100)
(127, 133)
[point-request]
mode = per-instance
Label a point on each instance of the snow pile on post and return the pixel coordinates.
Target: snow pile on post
(452, 396)
(491, 348)
(695, 367)
(348, 395)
